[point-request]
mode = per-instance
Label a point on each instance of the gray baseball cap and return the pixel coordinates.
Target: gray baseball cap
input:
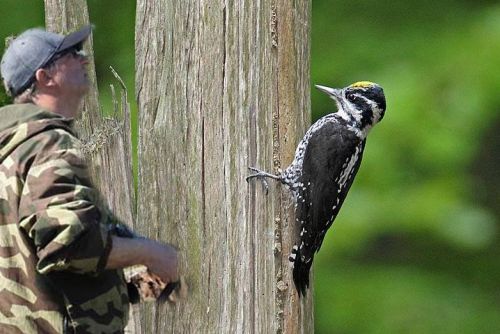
(32, 50)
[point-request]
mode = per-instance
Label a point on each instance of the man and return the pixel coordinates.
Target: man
(60, 262)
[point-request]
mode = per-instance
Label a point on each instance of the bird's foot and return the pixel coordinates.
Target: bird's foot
(261, 175)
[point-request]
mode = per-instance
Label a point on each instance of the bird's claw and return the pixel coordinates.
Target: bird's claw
(261, 175)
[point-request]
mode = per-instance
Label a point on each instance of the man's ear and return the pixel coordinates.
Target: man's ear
(44, 78)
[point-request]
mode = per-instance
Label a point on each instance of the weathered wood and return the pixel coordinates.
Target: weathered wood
(106, 141)
(222, 86)
(65, 16)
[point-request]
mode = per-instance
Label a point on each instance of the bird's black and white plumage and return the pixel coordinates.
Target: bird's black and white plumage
(325, 164)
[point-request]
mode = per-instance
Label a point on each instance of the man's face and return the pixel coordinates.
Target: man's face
(70, 74)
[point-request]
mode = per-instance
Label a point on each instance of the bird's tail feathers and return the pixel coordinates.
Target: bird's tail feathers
(301, 271)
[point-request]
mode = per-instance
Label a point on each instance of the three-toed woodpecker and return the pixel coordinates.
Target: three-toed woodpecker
(326, 161)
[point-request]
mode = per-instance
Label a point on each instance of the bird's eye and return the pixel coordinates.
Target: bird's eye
(351, 97)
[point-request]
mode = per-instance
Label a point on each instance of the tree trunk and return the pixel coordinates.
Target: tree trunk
(106, 141)
(222, 85)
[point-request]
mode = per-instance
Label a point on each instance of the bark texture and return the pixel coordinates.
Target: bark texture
(106, 140)
(222, 85)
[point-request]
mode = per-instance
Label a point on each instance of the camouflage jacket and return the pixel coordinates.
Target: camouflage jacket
(54, 239)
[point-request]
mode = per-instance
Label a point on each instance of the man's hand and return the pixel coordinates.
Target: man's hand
(159, 258)
(162, 261)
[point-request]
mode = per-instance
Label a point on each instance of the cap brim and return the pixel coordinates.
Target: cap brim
(75, 38)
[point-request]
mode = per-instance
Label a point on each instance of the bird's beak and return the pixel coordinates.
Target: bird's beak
(332, 92)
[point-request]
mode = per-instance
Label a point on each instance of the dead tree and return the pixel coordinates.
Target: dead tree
(220, 86)
(106, 141)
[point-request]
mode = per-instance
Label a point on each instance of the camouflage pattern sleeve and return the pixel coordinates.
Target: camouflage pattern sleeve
(54, 238)
(58, 208)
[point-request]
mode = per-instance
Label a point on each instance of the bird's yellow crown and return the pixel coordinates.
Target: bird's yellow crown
(362, 84)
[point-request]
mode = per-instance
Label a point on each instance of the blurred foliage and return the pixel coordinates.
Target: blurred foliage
(4, 99)
(11, 25)
(415, 248)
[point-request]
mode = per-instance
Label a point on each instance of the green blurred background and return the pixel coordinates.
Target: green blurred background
(416, 247)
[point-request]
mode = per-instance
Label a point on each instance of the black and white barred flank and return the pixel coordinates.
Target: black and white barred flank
(325, 164)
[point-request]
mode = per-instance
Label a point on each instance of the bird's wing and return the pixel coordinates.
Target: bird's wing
(331, 160)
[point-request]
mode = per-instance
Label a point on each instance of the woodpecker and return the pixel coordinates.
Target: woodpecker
(325, 164)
